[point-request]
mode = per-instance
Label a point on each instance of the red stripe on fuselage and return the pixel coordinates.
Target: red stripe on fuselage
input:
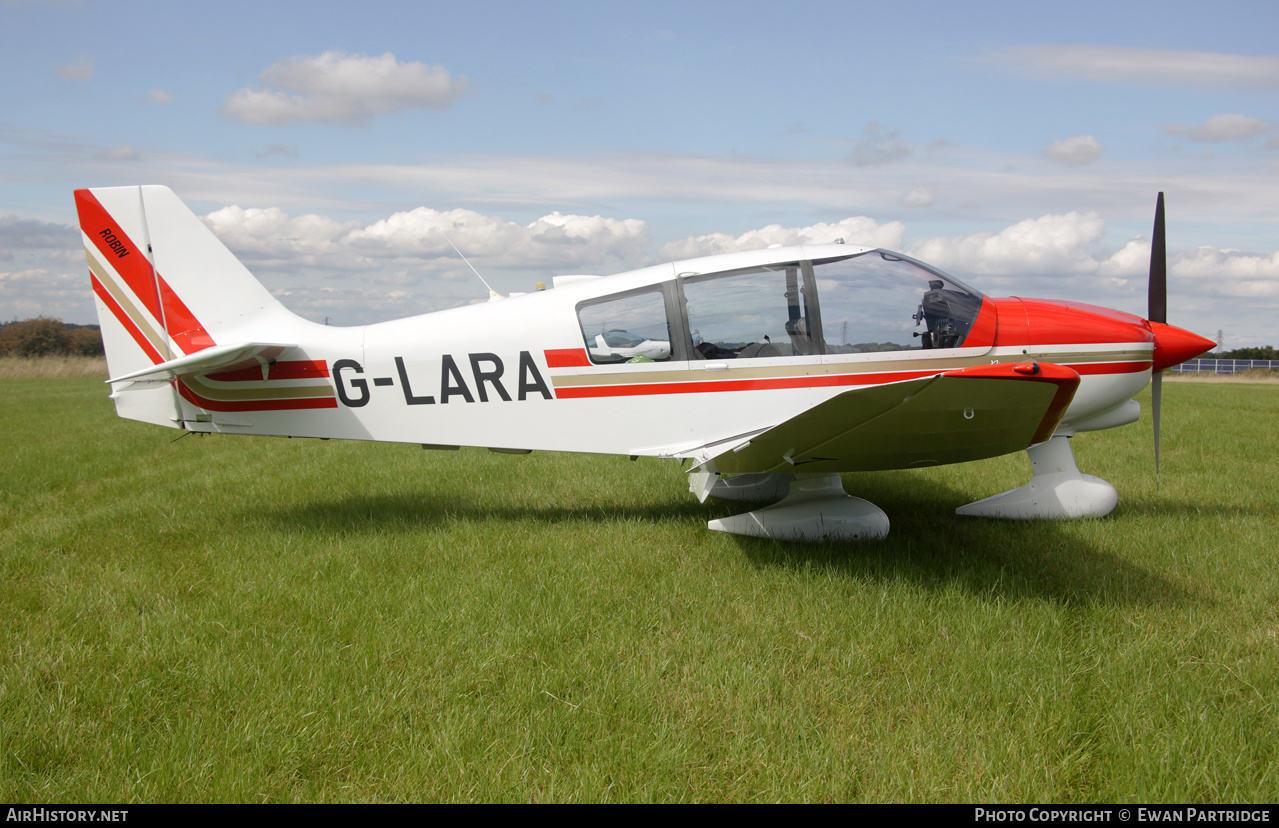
(293, 369)
(567, 358)
(711, 386)
(814, 381)
(255, 405)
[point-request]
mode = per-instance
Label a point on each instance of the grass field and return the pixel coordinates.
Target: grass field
(53, 367)
(245, 619)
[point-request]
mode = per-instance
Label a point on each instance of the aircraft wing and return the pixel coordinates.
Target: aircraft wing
(952, 417)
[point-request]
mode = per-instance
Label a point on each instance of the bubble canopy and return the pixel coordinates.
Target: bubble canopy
(869, 301)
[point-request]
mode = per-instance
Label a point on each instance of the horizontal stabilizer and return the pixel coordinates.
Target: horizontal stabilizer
(208, 361)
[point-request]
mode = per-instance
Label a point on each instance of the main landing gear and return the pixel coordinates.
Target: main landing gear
(815, 507)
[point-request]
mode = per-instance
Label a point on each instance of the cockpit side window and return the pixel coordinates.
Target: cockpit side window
(748, 314)
(879, 301)
(631, 328)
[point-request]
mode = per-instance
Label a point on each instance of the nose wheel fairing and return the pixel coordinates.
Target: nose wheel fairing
(1057, 491)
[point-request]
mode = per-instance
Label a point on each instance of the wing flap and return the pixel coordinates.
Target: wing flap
(953, 417)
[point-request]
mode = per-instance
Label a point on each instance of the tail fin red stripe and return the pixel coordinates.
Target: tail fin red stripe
(123, 318)
(131, 262)
(185, 329)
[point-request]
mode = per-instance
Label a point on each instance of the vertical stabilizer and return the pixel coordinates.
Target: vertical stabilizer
(165, 288)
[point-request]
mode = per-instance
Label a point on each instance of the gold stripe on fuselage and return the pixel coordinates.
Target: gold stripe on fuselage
(879, 366)
(252, 394)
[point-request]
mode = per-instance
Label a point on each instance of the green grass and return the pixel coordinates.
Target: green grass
(244, 619)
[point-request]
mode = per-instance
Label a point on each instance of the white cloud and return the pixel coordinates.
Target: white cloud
(377, 265)
(338, 88)
(1132, 260)
(1227, 127)
(1230, 272)
(551, 239)
(858, 230)
(588, 239)
(1077, 151)
(40, 291)
(402, 265)
(1064, 249)
(159, 96)
(79, 69)
(422, 231)
(1179, 68)
(361, 271)
(270, 236)
(919, 197)
(1053, 256)
(1046, 245)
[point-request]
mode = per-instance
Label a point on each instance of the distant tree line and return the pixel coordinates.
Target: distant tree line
(43, 336)
(1264, 352)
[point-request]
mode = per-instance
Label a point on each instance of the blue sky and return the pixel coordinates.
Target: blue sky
(1019, 147)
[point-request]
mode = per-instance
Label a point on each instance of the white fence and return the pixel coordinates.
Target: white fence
(1225, 366)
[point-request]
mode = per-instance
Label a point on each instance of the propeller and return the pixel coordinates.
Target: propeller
(1158, 311)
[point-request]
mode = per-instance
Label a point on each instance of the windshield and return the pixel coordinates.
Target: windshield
(883, 301)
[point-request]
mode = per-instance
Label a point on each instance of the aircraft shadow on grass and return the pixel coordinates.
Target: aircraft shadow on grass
(930, 545)
(935, 548)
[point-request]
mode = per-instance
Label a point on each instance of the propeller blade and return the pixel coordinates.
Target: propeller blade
(1158, 296)
(1158, 268)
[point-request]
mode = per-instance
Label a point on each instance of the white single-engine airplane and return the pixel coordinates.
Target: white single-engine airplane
(772, 371)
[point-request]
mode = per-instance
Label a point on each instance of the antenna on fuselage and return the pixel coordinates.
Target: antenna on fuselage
(493, 294)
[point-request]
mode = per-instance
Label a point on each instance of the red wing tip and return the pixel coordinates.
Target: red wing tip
(1022, 370)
